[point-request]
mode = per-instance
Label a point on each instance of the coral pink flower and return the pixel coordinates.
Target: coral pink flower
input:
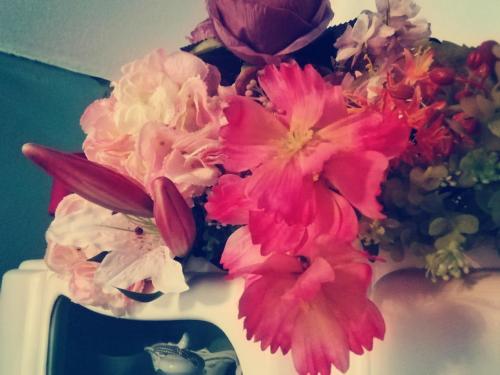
(316, 307)
(162, 119)
(297, 155)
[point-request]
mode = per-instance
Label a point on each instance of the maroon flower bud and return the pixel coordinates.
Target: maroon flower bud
(442, 76)
(261, 31)
(486, 52)
(484, 71)
(401, 91)
(474, 60)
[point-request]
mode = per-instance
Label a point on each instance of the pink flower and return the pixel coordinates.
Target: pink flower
(297, 155)
(316, 307)
(162, 119)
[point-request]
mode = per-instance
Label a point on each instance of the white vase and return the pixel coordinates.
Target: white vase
(447, 328)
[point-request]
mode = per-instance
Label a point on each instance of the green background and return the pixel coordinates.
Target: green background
(43, 104)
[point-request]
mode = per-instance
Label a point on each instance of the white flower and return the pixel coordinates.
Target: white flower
(136, 252)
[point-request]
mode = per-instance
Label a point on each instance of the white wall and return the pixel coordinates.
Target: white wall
(96, 37)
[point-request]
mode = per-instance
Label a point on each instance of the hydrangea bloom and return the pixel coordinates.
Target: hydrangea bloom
(161, 120)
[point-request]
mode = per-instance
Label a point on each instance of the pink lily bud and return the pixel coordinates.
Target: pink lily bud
(173, 217)
(92, 181)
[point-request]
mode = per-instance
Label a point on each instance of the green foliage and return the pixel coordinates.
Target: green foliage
(481, 166)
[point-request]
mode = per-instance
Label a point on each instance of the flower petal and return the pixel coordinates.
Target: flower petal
(267, 318)
(227, 203)
(274, 234)
(319, 340)
(300, 93)
(358, 176)
(92, 181)
(121, 269)
(245, 144)
(240, 254)
(335, 218)
(173, 216)
(279, 186)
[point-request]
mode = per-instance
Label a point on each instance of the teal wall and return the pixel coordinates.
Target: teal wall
(42, 104)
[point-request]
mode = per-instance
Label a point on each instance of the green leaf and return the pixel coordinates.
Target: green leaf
(438, 226)
(206, 46)
(494, 126)
(467, 224)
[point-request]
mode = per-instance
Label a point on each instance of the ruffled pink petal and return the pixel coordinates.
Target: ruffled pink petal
(274, 234)
(228, 203)
(358, 176)
(360, 318)
(279, 186)
(251, 135)
(299, 92)
(267, 317)
(240, 254)
(319, 340)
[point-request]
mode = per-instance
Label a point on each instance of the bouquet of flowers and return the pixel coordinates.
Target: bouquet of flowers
(290, 154)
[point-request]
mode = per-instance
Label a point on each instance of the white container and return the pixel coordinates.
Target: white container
(448, 328)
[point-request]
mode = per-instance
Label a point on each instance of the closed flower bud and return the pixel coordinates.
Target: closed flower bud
(474, 60)
(173, 217)
(484, 71)
(92, 181)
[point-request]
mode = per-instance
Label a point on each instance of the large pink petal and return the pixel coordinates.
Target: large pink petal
(375, 131)
(240, 254)
(251, 135)
(228, 202)
(274, 234)
(280, 186)
(358, 176)
(299, 92)
(92, 181)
